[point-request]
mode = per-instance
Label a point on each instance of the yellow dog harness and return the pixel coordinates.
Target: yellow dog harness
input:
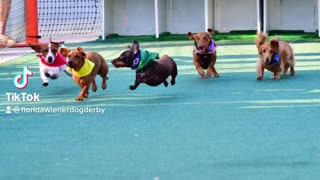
(85, 70)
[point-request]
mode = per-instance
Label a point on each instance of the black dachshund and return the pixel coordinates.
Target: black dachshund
(148, 69)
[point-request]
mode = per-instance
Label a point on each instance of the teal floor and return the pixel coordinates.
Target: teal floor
(227, 128)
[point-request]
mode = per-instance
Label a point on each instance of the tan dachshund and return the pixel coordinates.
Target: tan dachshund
(85, 67)
(276, 56)
(204, 53)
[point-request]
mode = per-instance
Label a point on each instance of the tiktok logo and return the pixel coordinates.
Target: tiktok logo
(21, 80)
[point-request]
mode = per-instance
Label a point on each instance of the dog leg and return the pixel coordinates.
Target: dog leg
(276, 76)
(292, 63)
(165, 83)
(209, 72)
(63, 69)
(44, 79)
(136, 84)
(173, 80)
(212, 71)
(215, 73)
(53, 73)
(69, 74)
(104, 81)
(174, 74)
(292, 71)
(47, 74)
(260, 71)
(286, 67)
(84, 93)
(94, 86)
(200, 70)
(43, 70)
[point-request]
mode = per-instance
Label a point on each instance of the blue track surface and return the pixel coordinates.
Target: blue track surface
(232, 127)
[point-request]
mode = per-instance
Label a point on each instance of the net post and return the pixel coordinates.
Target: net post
(31, 9)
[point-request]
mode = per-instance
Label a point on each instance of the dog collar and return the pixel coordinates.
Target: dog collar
(85, 70)
(58, 61)
(136, 62)
(275, 60)
(211, 49)
(145, 58)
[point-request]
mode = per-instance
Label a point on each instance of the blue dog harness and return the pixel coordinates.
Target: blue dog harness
(275, 60)
(136, 62)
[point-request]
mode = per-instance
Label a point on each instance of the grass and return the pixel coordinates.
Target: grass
(232, 37)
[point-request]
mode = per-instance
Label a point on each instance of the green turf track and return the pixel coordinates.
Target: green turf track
(227, 128)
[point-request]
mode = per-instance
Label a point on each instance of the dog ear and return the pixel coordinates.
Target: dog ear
(135, 47)
(190, 36)
(210, 31)
(262, 38)
(81, 51)
(275, 44)
(64, 52)
(36, 47)
(56, 42)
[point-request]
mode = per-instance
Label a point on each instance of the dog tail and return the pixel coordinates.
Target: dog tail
(261, 39)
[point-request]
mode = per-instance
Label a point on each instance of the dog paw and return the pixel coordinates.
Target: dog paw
(173, 82)
(216, 75)
(79, 99)
(47, 74)
(104, 86)
(54, 77)
(275, 77)
(259, 78)
(86, 95)
(45, 84)
(132, 87)
(94, 88)
(202, 77)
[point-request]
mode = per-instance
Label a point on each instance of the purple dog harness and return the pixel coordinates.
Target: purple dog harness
(206, 56)
(211, 49)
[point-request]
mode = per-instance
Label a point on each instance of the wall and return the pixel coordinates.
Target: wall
(235, 15)
(185, 15)
(133, 17)
(162, 5)
(292, 15)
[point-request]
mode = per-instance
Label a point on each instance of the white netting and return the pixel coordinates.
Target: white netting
(70, 20)
(65, 20)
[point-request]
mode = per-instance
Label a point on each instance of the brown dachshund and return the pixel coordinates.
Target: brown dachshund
(276, 56)
(204, 53)
(148, 69)
(85, 67)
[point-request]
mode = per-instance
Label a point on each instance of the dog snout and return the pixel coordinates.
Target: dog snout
(113, 61)
(50, 59)
(267, 60)
(116, 63)
(70, 64)
(201, 47)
